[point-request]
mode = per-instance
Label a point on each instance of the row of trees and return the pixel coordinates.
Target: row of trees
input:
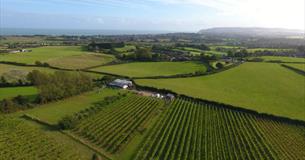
(60, 84)
(15, 104)
(51, 87)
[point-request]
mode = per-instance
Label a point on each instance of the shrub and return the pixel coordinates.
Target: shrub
(68, 122)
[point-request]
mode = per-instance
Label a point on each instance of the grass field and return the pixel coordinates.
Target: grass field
(252, 50)
(59, 56)
(282, 59)
(194, 130)
(13, 73)
(264, 87)
(145, 69)
(126, 48)
(69, 106)
(81, 61)
(297, 66)
(10, 92)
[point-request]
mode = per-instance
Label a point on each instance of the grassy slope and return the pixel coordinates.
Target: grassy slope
(264, 87)
(283, 59)
(252, 50)
(297, 66)
(125, 48)
(42, 54)
(81, 61)
(10, 92)
(59, 56)
(68, 106)
(5, 68)
(13, 73)
(143, 69)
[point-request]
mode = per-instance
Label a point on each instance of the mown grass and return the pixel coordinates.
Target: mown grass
(72, 57)
(282, 59)
(10, 92)
(297, 66)
(145, 69)
(264, 87)
(53, 112)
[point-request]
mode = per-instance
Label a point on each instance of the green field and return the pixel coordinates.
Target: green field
(297, 66)
(282, 59)
(59, 56)
(252, 50)
(146, 69)
(81, 61)
(69, 106)
(194, 130)
(126, 48)
(13, 73)
(10, 92)
(264, 87)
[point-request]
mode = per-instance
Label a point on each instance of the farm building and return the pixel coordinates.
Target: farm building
(121, 83)
(20, 50)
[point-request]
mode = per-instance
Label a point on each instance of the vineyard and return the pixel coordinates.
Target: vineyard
(113, 126)
(21, 141)
(194, 130)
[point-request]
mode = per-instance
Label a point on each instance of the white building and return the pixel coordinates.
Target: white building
(121, 83)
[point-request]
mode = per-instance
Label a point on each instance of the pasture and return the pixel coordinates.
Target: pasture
(125, 49)
(297, 66)
(10, 92)
(71, 57)
(81, 61)
(253, 50)
(149, 69)
(69, 106)
(13, 73)
(264, 87)
(283, 59)
(195, 130)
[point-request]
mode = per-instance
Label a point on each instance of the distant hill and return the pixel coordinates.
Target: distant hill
(251, 32)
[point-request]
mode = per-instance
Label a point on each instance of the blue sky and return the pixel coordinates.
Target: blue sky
(170, 15)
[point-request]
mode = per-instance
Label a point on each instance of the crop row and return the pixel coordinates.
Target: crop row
(113, 127)
(21, 141)
(194, 130)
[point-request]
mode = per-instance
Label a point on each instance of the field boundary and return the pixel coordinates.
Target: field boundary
(187, 75)
(294, 69)
(224, 105)
(72, 136)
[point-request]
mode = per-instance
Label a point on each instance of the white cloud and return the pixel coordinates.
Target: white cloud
(268, 13)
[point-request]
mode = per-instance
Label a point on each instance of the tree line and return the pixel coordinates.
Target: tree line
(51, 87)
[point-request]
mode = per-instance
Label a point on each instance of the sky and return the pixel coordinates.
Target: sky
(159, 15)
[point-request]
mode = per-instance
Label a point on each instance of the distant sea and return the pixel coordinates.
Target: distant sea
(77, 32)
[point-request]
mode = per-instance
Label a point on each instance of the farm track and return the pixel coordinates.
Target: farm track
(194, 130)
